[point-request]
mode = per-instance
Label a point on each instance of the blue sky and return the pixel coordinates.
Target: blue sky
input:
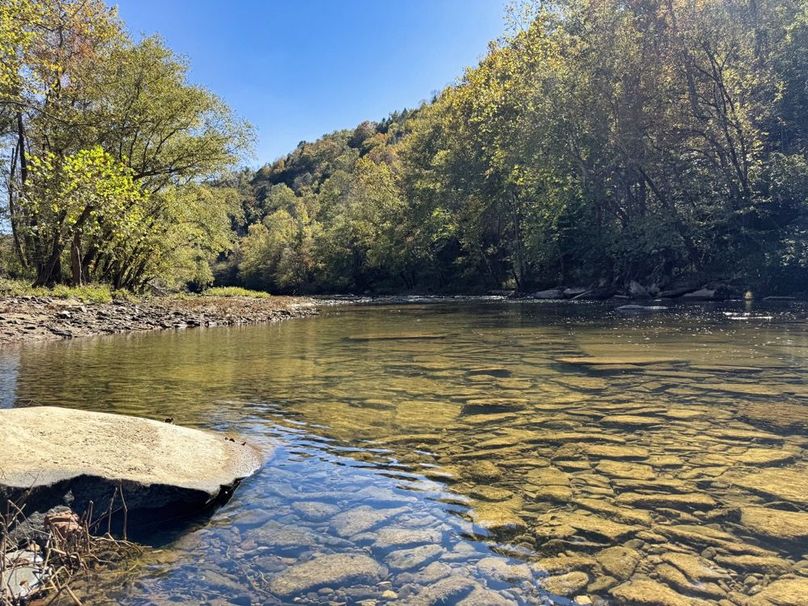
(297, 69)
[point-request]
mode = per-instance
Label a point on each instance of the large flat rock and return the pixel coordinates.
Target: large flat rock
(51, 455)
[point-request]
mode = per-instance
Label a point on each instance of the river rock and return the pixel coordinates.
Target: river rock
(496, 517)
(335, 570)
(407, 559)
(446, 591)
(647, 592)
(788, 484)
(675, 578)
(54, 451)
(501, 570)
(567, 524)
(636, 421)
(315, 511)
(765, 456)
(564, 563)
(619, 561)
(485, 597)
(783, 592)
(694, 500)
(615, 452)
(566, 584)
(694, 568)
(548, 476)
(361, 519)
(621, 514)
(620, 469)
(753, 563)
(776, 523)
(390, 537)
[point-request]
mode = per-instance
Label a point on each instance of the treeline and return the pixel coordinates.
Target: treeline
(601, 142)
(108, 153)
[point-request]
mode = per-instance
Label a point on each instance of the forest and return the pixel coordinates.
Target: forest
(596, 144)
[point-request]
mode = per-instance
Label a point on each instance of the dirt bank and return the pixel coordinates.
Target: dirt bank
(24, 319)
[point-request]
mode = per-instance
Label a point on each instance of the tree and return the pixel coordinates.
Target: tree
(91, 108)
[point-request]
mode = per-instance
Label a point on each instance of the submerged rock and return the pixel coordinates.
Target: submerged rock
(753, 563)
(694, 500)
(390, 537)
(567, 524)
(361, 519)
(694, 568)
(776, 523)
(445, 591)
(495, 517)
(783, 592)
(407, 559)
(647, 592)
(619, 469)
(566, 584)
(788, 484)
(336, 570)
(619, 561)
(53, 452)
(499, 569)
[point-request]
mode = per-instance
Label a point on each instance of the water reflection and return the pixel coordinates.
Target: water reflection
(621, 456)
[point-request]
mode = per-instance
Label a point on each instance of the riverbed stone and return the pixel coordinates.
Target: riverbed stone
(621, 514)
(315, 511)
(407, 559)
(501, 570)
(688, 501)
(446, 591)
(567, 524)
(674, 577)
(620, 469)
(631, 421)
(387, 538)
(485, 597)
(754, 563)
(426, 575)
(566, 584)
(333, 570)
(695, 568)
(608, 451)
(548, 476)
(49, 452)
(765, 456)
(362, 519)
(788, 484)
(783, 592)
(564, 563)
(776, 523)
(497, 517)
(619, 561)
(647, 592)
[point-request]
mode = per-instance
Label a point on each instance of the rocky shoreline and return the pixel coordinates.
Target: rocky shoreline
(27, 319)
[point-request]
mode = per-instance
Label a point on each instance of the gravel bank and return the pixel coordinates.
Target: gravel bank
(25, 319)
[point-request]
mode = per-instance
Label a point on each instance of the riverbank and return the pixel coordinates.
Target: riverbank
(38, 318)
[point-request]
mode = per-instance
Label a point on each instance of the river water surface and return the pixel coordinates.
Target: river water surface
(476, 453)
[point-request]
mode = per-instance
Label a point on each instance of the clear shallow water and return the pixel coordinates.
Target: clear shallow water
(486, 452)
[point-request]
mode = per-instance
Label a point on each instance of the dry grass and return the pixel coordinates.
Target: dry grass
(65, 549)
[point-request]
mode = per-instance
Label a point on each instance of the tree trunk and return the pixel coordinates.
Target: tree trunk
(75, 261)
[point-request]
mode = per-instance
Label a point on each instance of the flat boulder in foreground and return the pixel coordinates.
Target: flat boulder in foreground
(51, 456)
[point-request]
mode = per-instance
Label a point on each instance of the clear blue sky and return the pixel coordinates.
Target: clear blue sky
(297, 69)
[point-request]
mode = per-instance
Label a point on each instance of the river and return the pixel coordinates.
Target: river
(481, 452)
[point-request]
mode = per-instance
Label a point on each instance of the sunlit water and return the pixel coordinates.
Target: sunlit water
(471, 453)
